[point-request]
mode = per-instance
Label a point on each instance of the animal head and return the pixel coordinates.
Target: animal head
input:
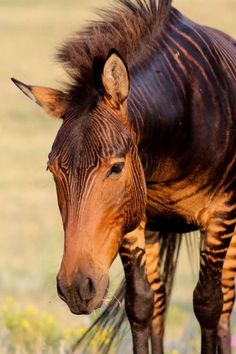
(99, 181)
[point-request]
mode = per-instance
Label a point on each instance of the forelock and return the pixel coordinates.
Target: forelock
(89, 140)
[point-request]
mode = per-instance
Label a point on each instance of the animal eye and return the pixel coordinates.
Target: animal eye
(116, 169)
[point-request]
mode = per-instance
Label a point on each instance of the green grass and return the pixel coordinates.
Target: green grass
(31, 241)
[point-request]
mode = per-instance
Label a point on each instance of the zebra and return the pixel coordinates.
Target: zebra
(147, 144)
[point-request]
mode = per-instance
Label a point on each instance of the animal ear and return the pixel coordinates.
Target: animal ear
(115, 80)
(52, 101)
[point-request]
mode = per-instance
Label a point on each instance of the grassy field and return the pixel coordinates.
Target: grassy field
(31, 241)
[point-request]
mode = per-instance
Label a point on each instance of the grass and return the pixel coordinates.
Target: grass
(31, 241)
(30, 331)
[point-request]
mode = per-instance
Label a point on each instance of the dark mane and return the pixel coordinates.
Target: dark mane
(126, 27)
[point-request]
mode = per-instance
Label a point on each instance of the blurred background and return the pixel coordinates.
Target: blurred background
(32, 318)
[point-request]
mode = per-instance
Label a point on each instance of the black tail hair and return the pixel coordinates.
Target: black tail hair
(169, 253)
(110, 328)
(193, 246)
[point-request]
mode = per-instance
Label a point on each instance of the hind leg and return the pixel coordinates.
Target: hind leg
(154, 278)
(228, 288)
(223, 328)
(208, 296)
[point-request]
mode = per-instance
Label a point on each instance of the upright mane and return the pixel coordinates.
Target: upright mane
(126, 27)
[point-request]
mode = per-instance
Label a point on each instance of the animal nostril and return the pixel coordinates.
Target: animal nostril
(60, 291)
(86, 289)
(90, 285)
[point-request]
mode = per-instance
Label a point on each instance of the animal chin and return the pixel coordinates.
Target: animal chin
(86, 308)
(79, 311)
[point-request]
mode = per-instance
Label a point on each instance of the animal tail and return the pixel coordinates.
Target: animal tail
(169, 253)
(193, 244)
(110, 329)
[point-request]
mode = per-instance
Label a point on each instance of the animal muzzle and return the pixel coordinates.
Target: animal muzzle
(83, 293)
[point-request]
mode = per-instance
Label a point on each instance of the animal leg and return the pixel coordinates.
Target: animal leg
(208, 296)
(228, 288)
(139, 296)
(154, 278)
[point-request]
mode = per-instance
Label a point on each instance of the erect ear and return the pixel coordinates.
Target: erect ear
(52, 101)
(115, 79)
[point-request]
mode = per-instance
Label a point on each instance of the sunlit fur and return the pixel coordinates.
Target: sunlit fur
(181, 110)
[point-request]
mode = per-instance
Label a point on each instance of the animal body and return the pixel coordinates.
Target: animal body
(146, 147)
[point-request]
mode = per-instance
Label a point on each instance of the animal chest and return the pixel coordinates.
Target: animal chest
(179, 206)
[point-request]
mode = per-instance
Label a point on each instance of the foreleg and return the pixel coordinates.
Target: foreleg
(139, 298)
